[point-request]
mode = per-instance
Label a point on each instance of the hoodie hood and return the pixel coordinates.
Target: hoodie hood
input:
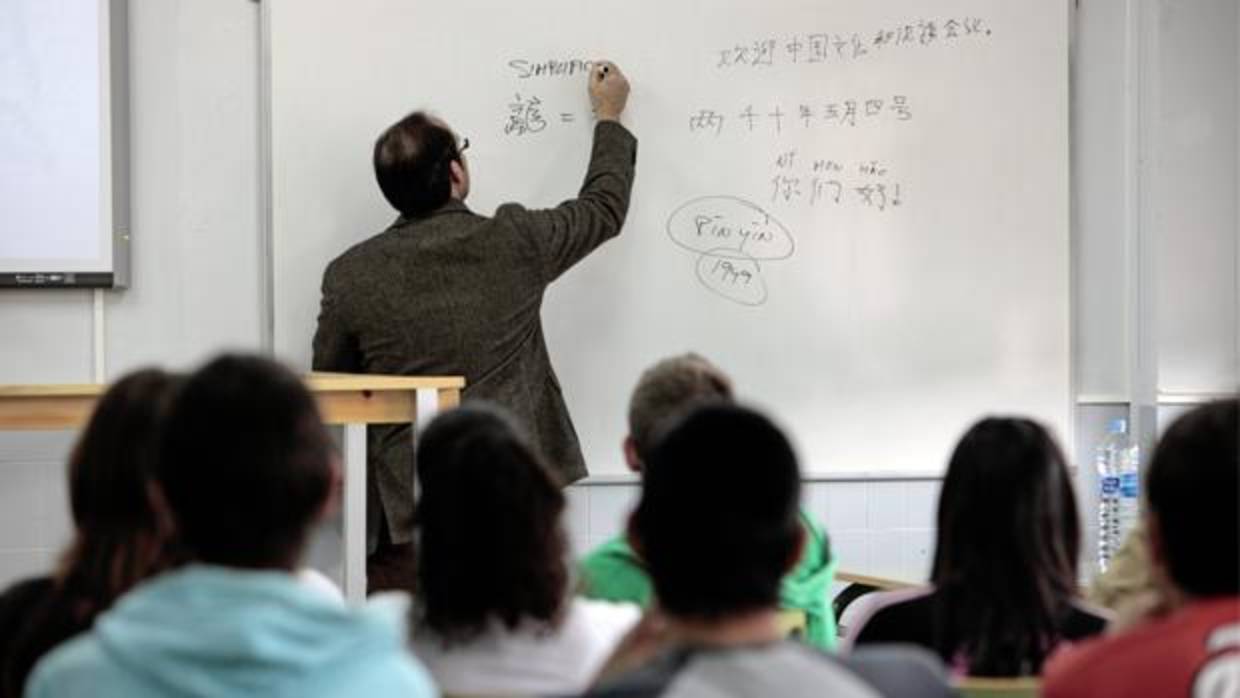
(210, 631)
(808, 585)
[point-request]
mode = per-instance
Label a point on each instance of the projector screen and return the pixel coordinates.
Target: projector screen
(63, 143)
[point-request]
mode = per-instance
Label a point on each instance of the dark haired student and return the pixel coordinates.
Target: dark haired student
(719, 526)
(1004, 585)
(495, 614)
(1193, 523)
(445, 291)
(245, 468)
(118, 540)
(615, 572)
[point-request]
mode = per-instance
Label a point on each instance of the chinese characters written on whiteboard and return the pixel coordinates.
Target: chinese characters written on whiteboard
(803, 114)
(817, 181)
(827, 47)
(734, 236)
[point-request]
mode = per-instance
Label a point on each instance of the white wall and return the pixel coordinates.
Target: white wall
(196, 261)
(198, 271)
(1195, 178)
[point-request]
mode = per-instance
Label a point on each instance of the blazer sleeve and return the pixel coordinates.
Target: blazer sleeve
(563, 235)
(335, 348)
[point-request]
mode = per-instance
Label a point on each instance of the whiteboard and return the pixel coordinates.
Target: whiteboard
(63, 207)
(858, 209)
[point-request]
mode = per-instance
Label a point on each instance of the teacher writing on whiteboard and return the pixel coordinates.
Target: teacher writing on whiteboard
(444, 291)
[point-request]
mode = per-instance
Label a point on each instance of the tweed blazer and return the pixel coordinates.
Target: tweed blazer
(455, 293)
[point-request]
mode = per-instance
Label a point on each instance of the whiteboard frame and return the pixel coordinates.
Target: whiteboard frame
(112, 269)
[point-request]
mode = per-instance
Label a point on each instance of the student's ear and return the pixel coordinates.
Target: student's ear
(630, 454)
(797, 550)
(158, 501)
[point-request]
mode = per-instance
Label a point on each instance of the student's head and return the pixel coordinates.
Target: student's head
(665, 391)
(419, 165)
(717, 523)
(1193, 490)
(118, 538)
(246, 465)
(491, 547)
(1008, 539)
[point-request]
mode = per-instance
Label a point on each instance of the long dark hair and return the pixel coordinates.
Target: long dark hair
(119, 539)
(491, 545)
(1006, 556)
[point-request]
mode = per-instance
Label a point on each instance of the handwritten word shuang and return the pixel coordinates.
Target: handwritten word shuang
(527, 115)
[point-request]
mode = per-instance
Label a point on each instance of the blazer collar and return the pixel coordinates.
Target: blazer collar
(453, 206)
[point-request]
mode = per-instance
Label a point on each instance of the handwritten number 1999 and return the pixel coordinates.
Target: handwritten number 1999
(727, 272)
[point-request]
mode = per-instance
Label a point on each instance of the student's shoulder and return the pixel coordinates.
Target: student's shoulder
(385, 667)
(612, 572)
(889, 616)
(1085, 620)
(605, 611)
(650, 679)
(901, 670)
(1074, 669)
(615, 551)
(399, 674)
(77, 667)
(20, 594)
(612, 558)
(601, 619)
(20, 598)
(812, 526)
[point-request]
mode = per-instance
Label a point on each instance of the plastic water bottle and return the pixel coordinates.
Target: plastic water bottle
(1118, 490)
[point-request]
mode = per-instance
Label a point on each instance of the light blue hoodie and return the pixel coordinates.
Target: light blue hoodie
(212, 632)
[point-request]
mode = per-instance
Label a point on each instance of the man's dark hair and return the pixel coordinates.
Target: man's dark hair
(1193, 489)
(412, 159)
(718, 523)
(1008, 540)
(484, 488)
(245, 464)
(667, 390)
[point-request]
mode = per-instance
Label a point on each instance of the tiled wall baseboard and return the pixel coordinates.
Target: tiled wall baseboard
(882, 527)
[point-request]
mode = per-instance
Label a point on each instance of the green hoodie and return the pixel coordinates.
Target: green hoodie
(213, 632)
(613, 572)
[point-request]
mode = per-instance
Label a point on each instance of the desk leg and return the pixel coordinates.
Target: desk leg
(431, 402)
(354, 512)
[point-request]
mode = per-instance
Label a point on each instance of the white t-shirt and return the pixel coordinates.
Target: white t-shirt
(530, 660)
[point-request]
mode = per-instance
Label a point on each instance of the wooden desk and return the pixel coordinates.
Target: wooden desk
(353, 401)
(880, 583)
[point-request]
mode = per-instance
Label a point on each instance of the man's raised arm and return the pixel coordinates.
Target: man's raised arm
(567, 233)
